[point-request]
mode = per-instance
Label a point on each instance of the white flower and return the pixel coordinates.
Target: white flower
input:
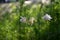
(23, 19)
(35, 1)
(46, 2)
(47, 17)
(27, 2)
(31, 20)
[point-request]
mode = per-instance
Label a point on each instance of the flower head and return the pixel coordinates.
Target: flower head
(31, 20)
(47, 17)
(46, 2)
(27, 2)
(23, 19)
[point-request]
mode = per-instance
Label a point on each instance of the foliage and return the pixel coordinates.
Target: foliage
(12, 29)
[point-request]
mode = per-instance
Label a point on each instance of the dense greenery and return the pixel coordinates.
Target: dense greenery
(12, 29)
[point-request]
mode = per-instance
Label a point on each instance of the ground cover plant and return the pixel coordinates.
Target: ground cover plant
(31, 22)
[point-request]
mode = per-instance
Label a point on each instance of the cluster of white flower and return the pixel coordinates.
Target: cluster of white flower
(45, 2)
(24, 20)
(32, 19)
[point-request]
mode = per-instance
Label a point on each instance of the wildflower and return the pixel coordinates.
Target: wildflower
(23, 19)
(27, 2)
(46, 2)
(36, 1)
(31, 20)
(47, 17)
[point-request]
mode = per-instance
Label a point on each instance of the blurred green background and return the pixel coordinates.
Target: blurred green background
(12, 29)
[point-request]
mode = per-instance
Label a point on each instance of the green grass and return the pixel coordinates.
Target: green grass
(12, 29)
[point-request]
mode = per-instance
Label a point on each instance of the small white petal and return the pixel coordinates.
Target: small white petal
(47, 17)
(27, 2)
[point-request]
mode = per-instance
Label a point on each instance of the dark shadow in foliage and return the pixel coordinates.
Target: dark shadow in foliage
(54, 33)
(8, 1)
